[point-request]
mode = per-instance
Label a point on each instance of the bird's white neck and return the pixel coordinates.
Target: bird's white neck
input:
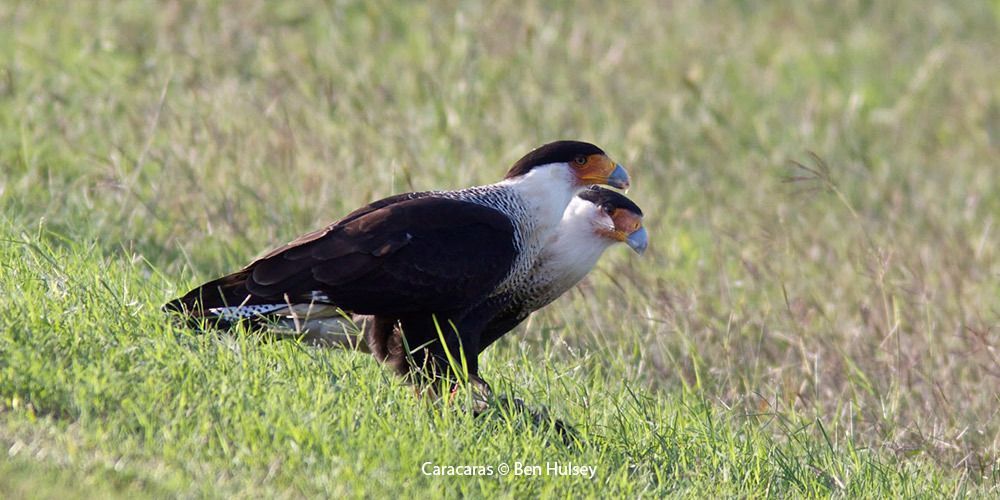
(546, 191)
(576, 246)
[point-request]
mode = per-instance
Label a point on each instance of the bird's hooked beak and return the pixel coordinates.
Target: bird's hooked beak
(599, 169)
(619, 178)
(638, 241)
(628, 229)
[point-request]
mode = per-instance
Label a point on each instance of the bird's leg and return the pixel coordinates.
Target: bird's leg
(384, 339)
(481, 391)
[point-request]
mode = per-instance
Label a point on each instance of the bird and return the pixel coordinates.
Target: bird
(436, 264)
(594, 220)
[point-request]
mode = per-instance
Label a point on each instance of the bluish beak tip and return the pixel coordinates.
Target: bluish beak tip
(619, 178)
(638, 241)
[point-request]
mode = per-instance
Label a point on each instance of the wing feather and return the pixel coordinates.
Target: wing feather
(409, 254)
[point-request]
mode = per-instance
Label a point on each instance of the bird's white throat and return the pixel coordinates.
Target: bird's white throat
(576, 246)
(546, 190)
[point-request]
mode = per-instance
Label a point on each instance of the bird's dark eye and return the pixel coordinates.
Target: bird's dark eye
(608, 209)
(580, 160)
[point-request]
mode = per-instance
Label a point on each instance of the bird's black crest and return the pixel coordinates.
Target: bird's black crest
(553, 152)
(606, 197)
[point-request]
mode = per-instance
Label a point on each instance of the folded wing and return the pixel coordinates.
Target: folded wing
(396, 256)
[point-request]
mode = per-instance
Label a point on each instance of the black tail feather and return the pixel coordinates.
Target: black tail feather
(226, 291)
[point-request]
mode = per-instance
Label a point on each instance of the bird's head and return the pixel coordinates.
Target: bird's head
(585, 164)
(616, 218)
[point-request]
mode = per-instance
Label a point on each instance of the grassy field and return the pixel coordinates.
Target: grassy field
(818, 313)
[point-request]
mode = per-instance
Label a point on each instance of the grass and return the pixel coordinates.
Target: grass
(818, 313)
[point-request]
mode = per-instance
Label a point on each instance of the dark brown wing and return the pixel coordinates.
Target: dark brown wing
(426, 254)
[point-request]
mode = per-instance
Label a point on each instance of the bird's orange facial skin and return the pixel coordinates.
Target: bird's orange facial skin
(626, 223)
(596, 169)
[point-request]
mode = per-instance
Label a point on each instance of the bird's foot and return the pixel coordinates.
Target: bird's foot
(541, 419)
(481, 394)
